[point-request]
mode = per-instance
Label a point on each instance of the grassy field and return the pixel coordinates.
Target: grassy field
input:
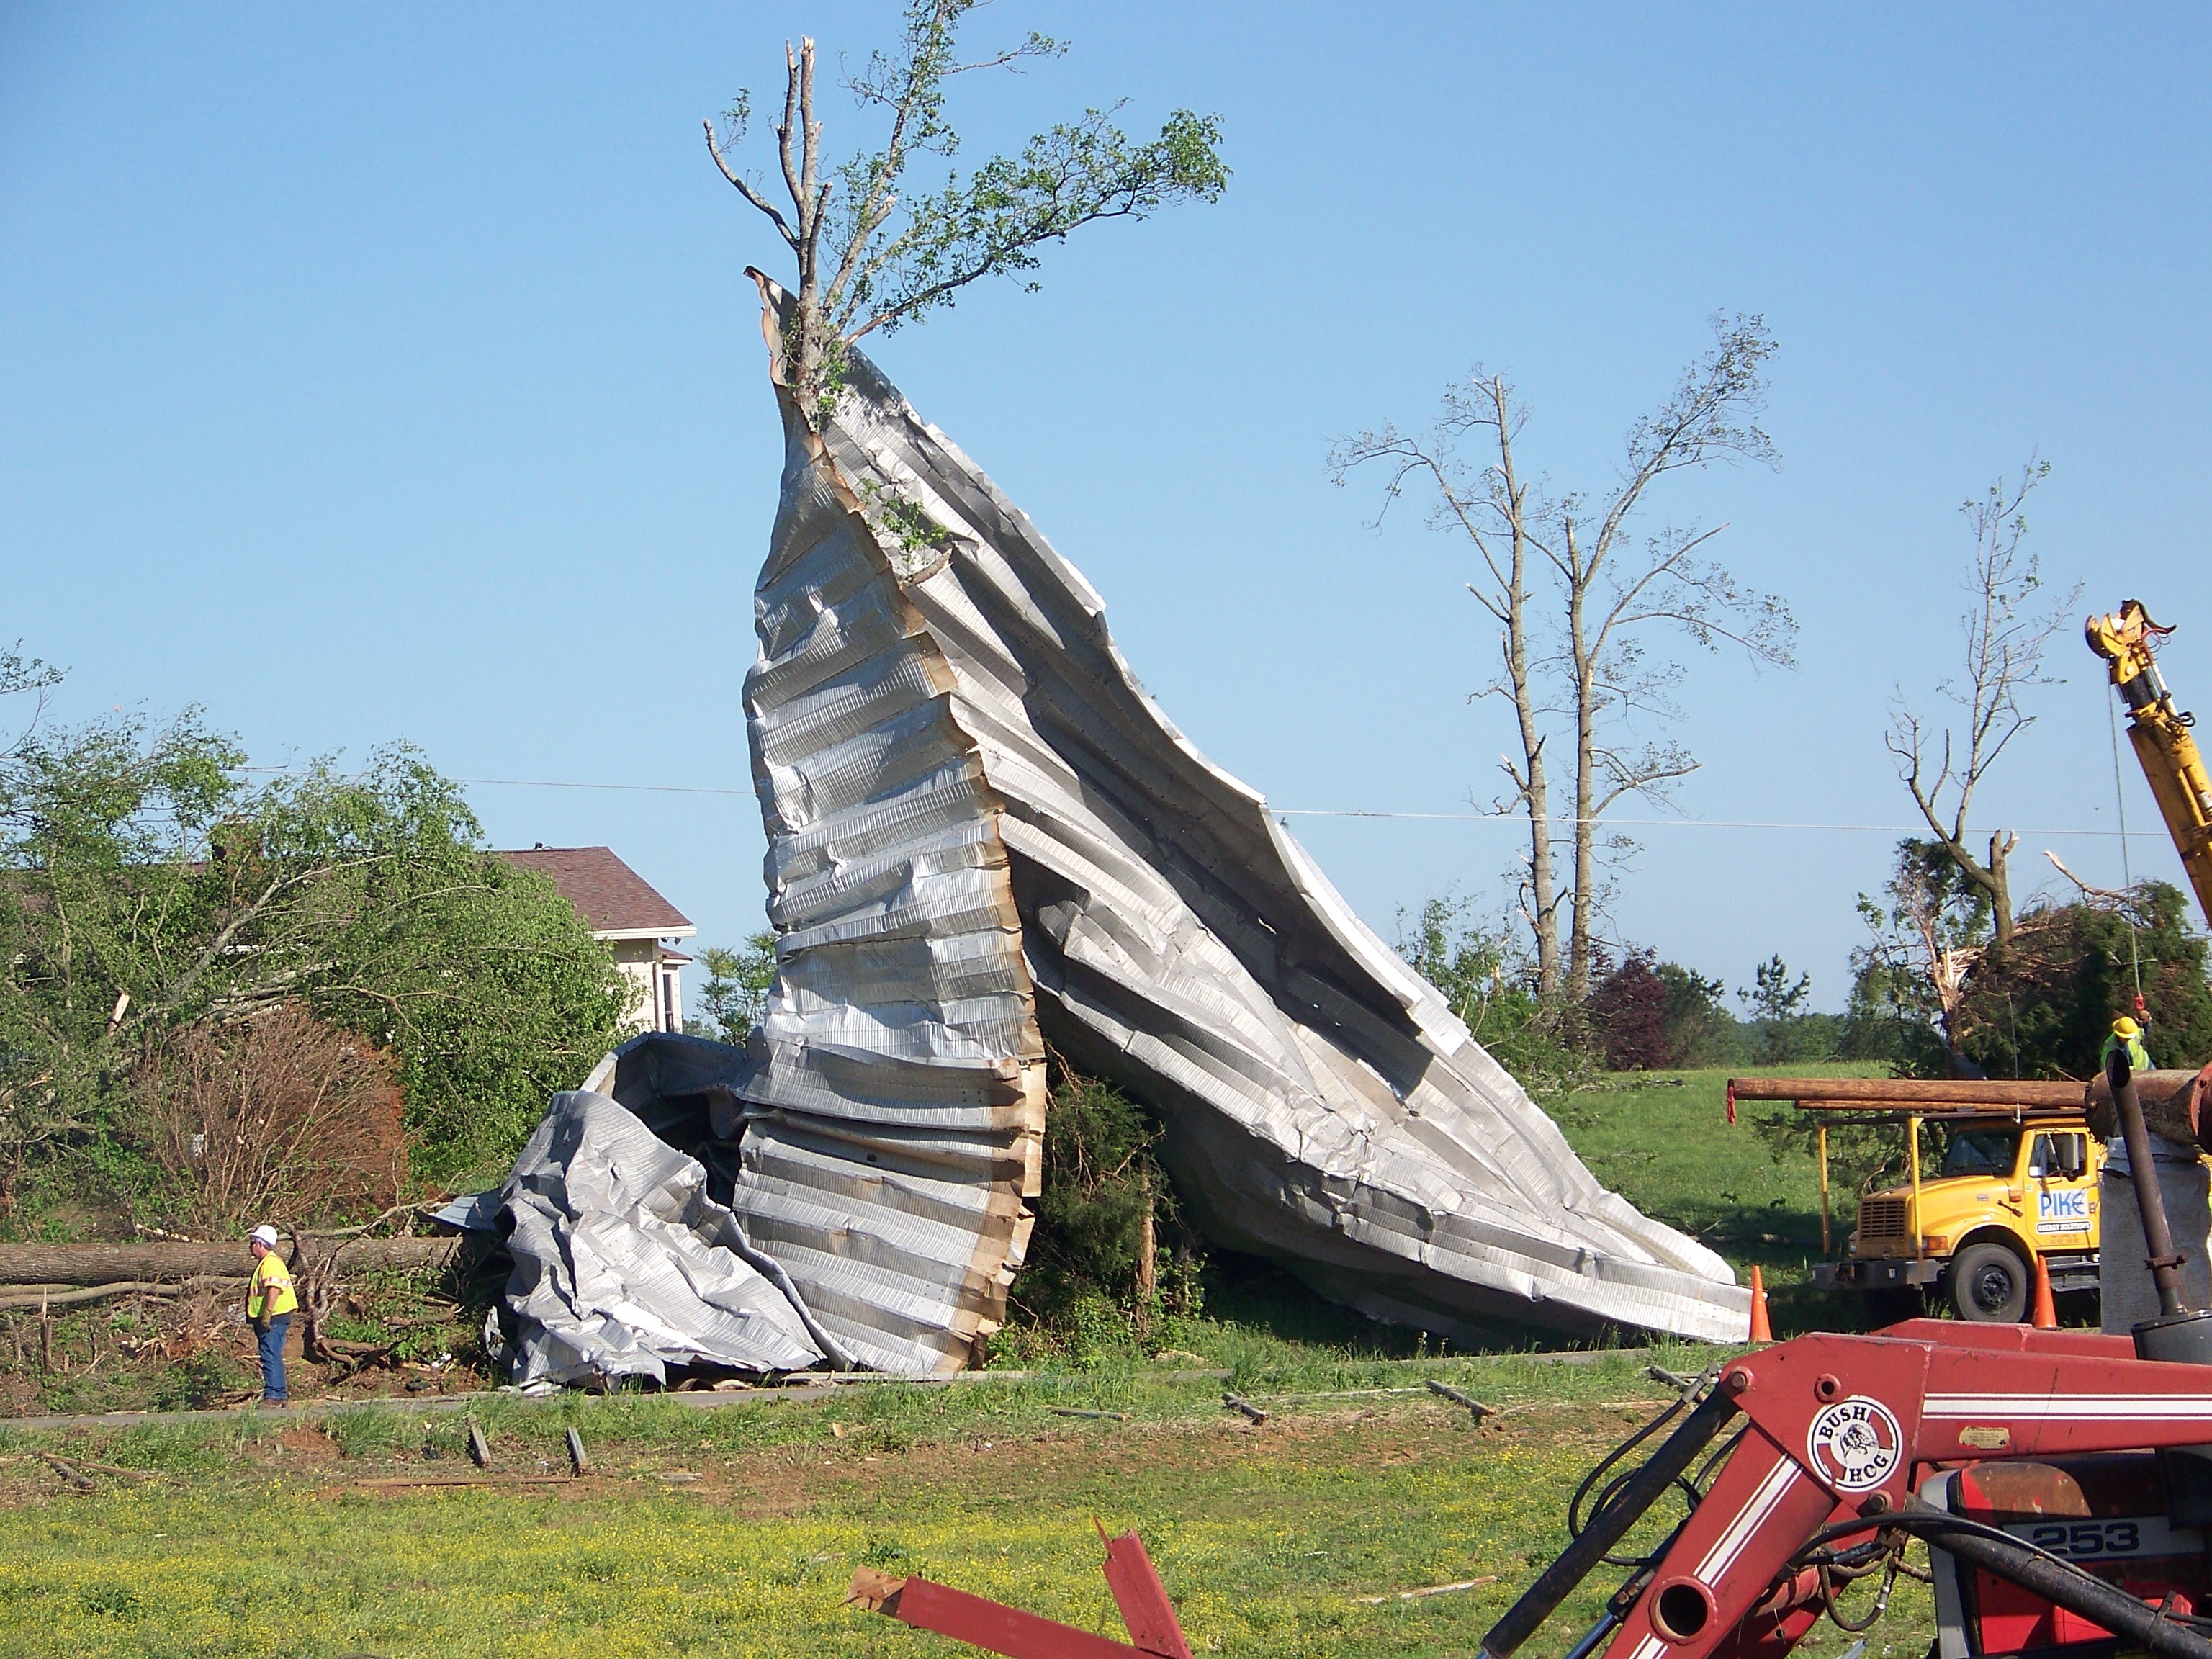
(735, 1530)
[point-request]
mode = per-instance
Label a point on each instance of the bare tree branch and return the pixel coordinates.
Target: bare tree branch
(782, 226)
(2004, 630)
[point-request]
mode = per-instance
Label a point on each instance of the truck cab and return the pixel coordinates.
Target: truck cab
(2008, 1189)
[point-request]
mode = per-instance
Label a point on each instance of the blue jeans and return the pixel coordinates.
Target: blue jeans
(272, 1357)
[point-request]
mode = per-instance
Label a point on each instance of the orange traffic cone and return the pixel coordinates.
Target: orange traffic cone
(1762, 1329)
(2045, 1316)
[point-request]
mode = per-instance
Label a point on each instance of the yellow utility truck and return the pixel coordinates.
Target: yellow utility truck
(2009, 1173)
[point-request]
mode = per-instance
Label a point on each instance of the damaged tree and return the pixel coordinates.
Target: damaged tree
(1576, 597)
(870, 255)
(2005, 630)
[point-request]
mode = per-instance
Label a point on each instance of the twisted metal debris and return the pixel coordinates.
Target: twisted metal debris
(983, 834)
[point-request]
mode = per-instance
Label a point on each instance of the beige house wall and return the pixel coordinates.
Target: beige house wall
(649, 1008)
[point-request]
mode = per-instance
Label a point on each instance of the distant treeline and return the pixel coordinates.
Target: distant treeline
(1932, 995)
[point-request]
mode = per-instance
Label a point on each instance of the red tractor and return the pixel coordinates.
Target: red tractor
(2062, 1481)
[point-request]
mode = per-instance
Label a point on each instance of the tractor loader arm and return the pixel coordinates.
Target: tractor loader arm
(1838, 1443)
(2127, 640)
(1822, 1488)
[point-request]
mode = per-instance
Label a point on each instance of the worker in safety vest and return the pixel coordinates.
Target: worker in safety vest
(269, 1302)
(2126, 1293)
(2126, 1038)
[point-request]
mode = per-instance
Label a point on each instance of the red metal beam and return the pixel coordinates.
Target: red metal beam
(998, 1628)
(1141, 1597)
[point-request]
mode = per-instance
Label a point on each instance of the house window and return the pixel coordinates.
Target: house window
(668, 1020)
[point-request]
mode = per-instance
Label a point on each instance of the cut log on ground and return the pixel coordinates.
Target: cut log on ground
(107, 1264)
(44, 1296)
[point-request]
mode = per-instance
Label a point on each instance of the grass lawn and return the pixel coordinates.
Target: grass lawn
(735, 1530)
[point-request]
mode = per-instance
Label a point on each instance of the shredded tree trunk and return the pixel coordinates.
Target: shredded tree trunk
(106, 1264)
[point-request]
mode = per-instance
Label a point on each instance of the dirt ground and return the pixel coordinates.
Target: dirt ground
(194, 1349)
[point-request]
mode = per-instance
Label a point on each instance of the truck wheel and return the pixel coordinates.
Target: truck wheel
(1988, 1285)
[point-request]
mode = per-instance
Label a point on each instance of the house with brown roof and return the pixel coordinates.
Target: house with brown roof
(620, 906)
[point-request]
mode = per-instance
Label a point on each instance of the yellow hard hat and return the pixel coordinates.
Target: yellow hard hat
(2124, 1027)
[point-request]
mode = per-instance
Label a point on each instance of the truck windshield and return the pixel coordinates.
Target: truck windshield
(1981, 1152)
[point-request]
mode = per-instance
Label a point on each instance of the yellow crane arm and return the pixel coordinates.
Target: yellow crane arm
(2126, 640)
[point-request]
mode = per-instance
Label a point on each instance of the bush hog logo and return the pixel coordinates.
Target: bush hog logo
(1855, 1444)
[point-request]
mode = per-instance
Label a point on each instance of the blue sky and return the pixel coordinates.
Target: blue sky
(377, 372)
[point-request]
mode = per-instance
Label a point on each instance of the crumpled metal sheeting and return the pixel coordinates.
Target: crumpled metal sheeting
(893, 1256)
(898, 1058)
(624, 1266)
(1322, 1104)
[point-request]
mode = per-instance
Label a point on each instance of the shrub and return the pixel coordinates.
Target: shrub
(1469, 968)
(1628, 1018)
(1096, 1274)
(278, 1115)
(198, 1381)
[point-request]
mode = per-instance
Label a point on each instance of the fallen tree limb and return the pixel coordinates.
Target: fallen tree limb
(1237, 1402)
(106, 1264)
(70, 1473)
(1427, 1589)
(12, 1301)
(118, 1469)
(1458, 1398)
(465, 1481)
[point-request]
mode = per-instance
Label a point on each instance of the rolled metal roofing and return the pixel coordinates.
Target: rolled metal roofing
(984, 834)
(624, 1266)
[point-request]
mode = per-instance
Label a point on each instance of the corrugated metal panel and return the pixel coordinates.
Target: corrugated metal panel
(624, 1266)
(981, 828)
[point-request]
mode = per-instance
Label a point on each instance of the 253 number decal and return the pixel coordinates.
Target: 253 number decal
(2077, 1539)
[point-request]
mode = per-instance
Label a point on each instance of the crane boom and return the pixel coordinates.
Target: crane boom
(2127, 639)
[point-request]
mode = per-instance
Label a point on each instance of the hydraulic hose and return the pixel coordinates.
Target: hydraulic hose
(2055, 1582)
(1610, 1524)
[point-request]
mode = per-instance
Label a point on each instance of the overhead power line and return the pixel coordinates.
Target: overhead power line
(2121, 835)
(1662, 823)
(641, 788)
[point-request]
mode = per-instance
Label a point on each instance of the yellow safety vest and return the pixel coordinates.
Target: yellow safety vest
(270, 1292)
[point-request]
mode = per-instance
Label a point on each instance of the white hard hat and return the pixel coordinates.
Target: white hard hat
(264, 1234)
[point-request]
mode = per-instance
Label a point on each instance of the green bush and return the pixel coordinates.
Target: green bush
(363, 1431)
(1470, 969)
(1083, 1294)
(148, 890)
